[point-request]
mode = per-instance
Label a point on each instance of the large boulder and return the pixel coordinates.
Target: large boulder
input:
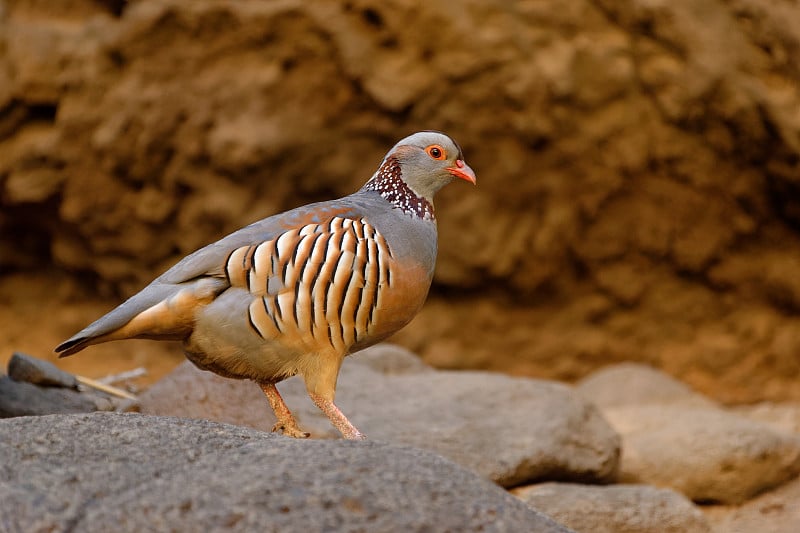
(511, 430)
(115, 472)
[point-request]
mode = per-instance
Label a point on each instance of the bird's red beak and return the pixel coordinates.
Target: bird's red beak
(462, 170)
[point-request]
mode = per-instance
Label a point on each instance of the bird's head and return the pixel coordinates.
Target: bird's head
(427, 161)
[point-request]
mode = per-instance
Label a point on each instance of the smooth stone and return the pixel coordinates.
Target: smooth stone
(615, 508)
(784, 416)
(22, 367)
(707, 454)
(637, 384)
(18, 398)
(777, 511)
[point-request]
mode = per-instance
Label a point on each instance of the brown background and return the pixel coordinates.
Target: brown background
(638, 168)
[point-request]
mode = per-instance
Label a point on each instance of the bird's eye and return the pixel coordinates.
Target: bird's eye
(436, 152)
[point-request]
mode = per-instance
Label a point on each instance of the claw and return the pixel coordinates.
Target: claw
(290, 431)
(356, 436)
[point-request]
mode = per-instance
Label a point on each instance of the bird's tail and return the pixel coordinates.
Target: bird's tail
(72, 345)
(160, 311)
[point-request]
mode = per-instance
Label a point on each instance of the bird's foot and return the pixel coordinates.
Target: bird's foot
(290, 430)
(286, 422)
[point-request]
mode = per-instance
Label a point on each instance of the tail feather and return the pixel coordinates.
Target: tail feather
(71, 346)
(160, 311)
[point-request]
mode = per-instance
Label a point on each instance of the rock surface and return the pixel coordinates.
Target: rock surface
(18, 398)
(781, 416)
(637, 384)
(675, 437)
(637, 162)
(615, 508)
(706, 454)
(23, 367)
(777, 511)
(113, 472)
(510, 430)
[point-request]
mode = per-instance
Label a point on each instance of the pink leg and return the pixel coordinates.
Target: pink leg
(337, 418)
(286, 422)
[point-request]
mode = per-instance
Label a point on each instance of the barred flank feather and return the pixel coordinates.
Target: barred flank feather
(323, 280)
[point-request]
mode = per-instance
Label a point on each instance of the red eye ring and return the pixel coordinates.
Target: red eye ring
(436, 152)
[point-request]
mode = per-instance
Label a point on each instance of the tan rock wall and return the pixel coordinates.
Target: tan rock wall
(638, 161)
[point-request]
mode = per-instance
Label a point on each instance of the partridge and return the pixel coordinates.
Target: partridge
(297, 292)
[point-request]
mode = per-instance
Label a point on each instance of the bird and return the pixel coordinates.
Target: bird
(296, 292)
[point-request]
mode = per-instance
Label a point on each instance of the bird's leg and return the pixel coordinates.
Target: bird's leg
(286, 422)
(337, 418)
(321, 385)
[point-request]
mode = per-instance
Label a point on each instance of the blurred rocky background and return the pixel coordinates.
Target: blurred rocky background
(638, 168)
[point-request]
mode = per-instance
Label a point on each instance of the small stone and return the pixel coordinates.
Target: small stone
(784, 416)
(22, 367)
(777, 511)
(707, 454)
(18, 398)
(637, 384)
(391, 359)
(615, 508)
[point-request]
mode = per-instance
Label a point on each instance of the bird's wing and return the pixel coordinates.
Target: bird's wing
(165, 308)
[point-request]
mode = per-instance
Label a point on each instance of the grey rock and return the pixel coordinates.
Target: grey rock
(18, 398)
(616, 508)
(129, 472)
(22, 367)
(510, 430)
(707, 454)
(637, 384)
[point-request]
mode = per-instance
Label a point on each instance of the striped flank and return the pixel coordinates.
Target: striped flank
(321, 283)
